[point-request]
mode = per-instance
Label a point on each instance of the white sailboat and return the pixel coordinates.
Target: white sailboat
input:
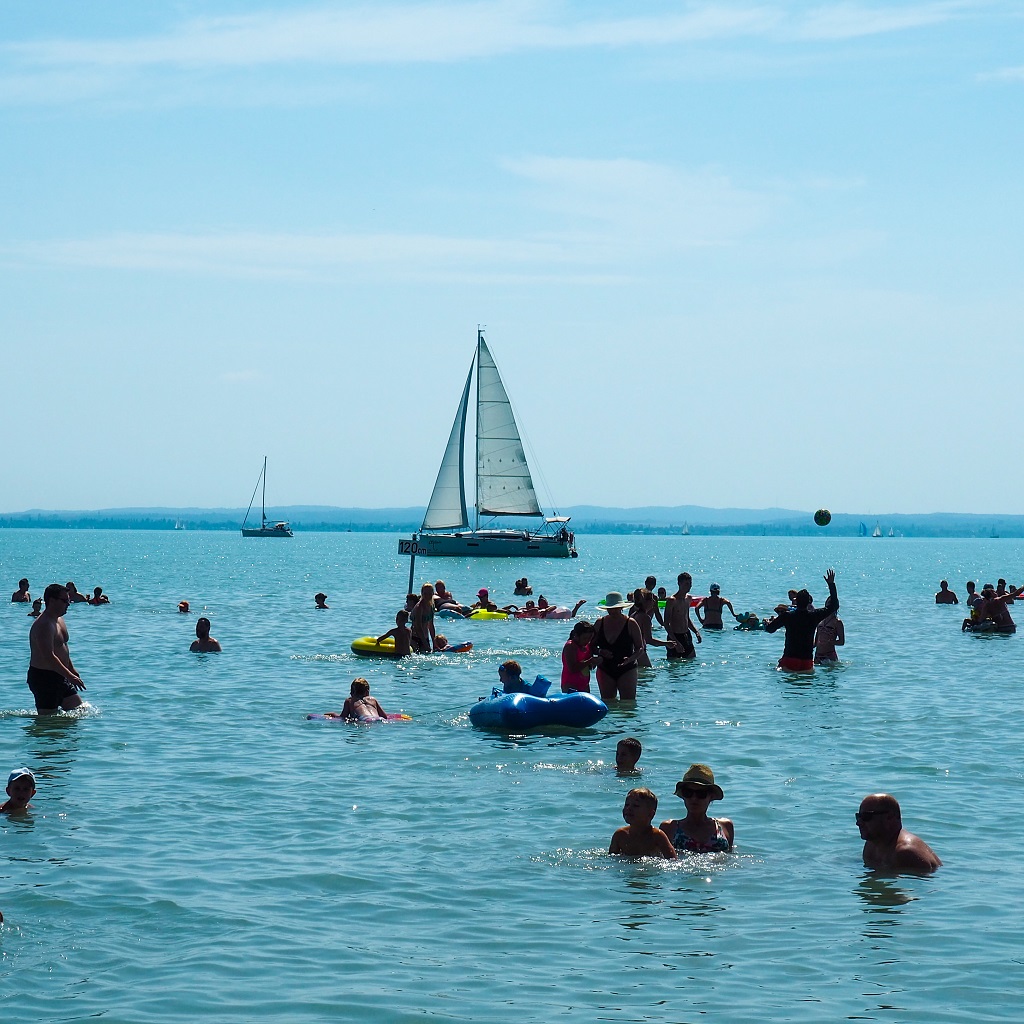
(504, 486)
(279, 529)
(877, 531)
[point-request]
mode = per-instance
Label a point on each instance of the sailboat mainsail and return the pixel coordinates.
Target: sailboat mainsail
(504, 485)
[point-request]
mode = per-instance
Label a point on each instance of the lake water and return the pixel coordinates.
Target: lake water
(198, 851)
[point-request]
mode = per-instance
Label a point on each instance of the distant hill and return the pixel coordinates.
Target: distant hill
(695, 520)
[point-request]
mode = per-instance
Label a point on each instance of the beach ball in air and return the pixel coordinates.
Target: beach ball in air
(822, 517)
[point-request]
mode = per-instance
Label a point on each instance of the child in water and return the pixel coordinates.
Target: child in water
(402, 635)
(360, 706)
(627, 753)
(640, 838)
(21, 787)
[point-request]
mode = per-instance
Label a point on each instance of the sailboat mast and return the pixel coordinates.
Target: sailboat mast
(476, 452)
(264, 498)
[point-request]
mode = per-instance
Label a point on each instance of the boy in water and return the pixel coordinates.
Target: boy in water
(640, 838)
(402, 635)
(510, 673)
(627, 753)
(21, 787)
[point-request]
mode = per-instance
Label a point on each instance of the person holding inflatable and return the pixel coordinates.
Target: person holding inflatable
(401, 634)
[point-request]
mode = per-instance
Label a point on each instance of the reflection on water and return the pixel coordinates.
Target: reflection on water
(883, 902)
(53, 744)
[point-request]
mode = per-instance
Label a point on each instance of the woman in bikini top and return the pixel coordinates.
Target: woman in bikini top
(697, 832)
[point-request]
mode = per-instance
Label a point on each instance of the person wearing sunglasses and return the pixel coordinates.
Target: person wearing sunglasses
(888, 846)
(51, 674)
(698, 832)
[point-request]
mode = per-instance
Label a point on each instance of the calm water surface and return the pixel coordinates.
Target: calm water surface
(198, 851)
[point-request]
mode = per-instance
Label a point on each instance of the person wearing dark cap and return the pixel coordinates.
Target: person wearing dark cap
(697, 832)
(712, 606)
(800, 625)
(321, 600)
(888, 846)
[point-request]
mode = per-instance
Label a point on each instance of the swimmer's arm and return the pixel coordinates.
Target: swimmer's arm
(700, 618)
(840, 633)
(729, 829)
(390, 632)
(615, 846)
(728, 604)
(665, 847)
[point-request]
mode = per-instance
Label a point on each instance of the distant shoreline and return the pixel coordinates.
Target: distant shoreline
(691, 520)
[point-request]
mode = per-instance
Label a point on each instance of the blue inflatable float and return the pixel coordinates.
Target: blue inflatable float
(517, 712)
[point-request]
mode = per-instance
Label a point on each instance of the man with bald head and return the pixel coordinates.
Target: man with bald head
(888, 846)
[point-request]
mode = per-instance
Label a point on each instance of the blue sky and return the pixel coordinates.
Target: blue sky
(728, 254)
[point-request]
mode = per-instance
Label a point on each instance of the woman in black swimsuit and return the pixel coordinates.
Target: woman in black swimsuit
(617, 643)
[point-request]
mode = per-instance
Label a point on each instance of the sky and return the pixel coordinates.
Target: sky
(725, 254)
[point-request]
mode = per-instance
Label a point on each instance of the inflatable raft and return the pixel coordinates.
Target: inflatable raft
(517, 712)
(367, 647)
(551, 612)
(480, 614)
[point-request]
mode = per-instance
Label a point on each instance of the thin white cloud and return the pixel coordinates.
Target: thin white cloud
(451, 31)
(604, 217)
(390, 34)
(649, 203)
(1003, 75)
(851, 21)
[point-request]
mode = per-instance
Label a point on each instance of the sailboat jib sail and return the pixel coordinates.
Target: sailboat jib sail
(504, 486)
(447, 508)
(279, 529)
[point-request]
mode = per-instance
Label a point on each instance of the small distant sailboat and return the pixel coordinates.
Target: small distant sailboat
(179, 524)
(279, 529)
(504, 486)
(891, 532)
(877, 531)
(862, 530)
(686, 529)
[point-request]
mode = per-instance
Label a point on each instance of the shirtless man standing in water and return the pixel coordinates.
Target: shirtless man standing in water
(678, 624)
(51, 675)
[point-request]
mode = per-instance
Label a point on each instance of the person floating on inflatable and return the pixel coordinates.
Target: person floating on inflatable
(360, 706)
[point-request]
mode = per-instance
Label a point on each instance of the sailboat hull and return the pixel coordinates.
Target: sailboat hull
(269, 531)
(495, 544)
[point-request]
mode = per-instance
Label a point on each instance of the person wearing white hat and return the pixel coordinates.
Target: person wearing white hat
(21, 787)
(617, 645)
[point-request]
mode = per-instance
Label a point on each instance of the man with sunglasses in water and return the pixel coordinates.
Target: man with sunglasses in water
(888, 846)
(51, 674)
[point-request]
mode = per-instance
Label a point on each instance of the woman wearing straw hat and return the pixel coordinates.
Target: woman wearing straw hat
(617, 644)
(698, 833)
